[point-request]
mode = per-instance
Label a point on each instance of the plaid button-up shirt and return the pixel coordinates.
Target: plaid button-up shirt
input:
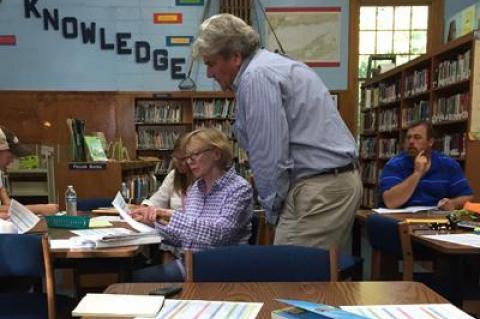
(220, 217)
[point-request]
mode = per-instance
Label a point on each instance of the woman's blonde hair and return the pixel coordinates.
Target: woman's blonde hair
(212, 138)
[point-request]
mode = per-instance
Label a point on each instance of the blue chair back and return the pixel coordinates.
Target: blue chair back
(21, 256)
(27, 256)
(249, 263)
(88, 204)
(383, 235)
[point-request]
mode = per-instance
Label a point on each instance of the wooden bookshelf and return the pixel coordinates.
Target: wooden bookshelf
(442, 87)
(102, 182)
(160, 119)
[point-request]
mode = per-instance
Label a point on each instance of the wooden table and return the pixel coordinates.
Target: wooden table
(454, 257)
(332, 293)
(114, 252)
(117, 260)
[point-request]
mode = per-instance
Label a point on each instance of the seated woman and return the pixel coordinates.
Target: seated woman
(171, 194)
(218, 206)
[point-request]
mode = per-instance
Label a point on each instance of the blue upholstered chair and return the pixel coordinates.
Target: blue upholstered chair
(88, 204)
(389, 239)
(247, 263)
(28, 257)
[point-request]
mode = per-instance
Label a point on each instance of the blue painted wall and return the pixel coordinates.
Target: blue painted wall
(453, 6)
(46, 60)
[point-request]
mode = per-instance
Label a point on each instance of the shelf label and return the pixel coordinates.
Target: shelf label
(87, 166)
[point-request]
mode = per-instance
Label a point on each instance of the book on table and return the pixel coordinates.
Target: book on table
(113, 305)
(300, 309)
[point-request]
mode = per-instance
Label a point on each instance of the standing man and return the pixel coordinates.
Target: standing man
(302, 155)
(420, 176)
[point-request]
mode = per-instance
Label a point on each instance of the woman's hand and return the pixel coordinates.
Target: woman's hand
(144, 214)
(150, 214)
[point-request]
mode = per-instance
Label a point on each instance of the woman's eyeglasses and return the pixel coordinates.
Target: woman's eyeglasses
(196, 155)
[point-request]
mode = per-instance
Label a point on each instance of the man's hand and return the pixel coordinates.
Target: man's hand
(422, 163)
(446, 204)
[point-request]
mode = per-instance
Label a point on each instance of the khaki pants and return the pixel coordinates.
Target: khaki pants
(319, 211)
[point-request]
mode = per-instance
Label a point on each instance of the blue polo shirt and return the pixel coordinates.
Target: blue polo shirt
(445, 178)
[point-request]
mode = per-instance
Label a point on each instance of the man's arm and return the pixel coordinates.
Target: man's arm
(268, 140)
(454, 203)
(400, 193)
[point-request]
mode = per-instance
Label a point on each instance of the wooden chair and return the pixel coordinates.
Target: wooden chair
(28, 256)
(390, 241)
(250, 263)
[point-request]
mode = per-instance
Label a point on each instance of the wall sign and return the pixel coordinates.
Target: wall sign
(89, 33)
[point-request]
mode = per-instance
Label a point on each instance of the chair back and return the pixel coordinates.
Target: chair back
(250, 263)
(88, 204)
(25, 255)
(22, 256)
(388, 236)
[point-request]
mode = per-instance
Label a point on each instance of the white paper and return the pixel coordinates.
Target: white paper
(21, 217)
(112, 305)
(7, 227)
(187, 309)
(420, 311)
(467, 239)
(102, 232)
(122, 207)
(56, 244)
(107, 218)
(410, 209)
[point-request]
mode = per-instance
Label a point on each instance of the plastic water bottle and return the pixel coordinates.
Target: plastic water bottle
(70, 201)
(125, 192)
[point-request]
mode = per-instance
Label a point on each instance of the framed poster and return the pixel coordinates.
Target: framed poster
(308, 34)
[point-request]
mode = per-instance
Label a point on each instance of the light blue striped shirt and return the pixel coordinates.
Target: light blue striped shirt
(288, 124)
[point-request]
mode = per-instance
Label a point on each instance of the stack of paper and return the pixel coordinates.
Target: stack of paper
(109, 305)
(411, 209)
(105, 237)
(188, 309)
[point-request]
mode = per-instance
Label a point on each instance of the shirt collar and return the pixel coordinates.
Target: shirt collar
(243, 67)
(220, 182)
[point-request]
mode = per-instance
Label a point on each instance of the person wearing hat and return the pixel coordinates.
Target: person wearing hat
(10, 147)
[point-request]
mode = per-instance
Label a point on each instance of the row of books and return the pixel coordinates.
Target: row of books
(216, 108)
(141, 186)
(369, 197)
(451, 108)
(368, 120)
(368, 147)
(371, 97)
(223, 126)
(158, 138)
(416, 82)
(451, 144)
(387, 147)
(451, 71)
(419, 111)
(388, 120)
(389, 92)
(369, 172)
(239, 153)
(158, 112)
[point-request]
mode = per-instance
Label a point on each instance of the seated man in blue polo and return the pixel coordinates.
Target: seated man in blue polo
(420, 176)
